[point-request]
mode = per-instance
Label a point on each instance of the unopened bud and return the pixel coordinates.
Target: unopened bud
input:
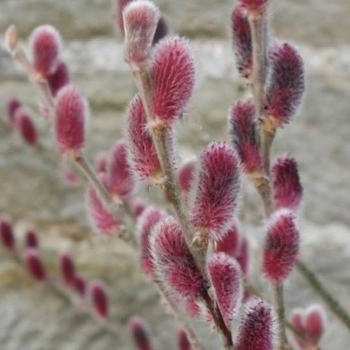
(281, 246)
(257, 328)
(34, 264)
(6, 233)
(140, 22)
(141, 150)
(182, 340)
(67, 269)
(285, 83)
(226, 277)
(80, 285)
(287, 189)
(101, 217)
(242, 41)
(99, 299)
(11, 38)
(70, 122)
(26, 127)
(173, 262)
(31, 239)
(146, 222)
(121, 180)
(244, 135)
(13, 104)
(216, 190)
(172, 79)
(45, 43)
(140, 334)
(59, 78)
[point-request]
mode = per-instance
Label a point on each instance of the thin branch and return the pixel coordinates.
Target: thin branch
(333, 304)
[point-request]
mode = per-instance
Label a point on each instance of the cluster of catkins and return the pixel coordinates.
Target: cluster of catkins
(70, 281)
(164, 69)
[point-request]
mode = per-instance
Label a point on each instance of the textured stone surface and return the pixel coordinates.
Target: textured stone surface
(31, 190)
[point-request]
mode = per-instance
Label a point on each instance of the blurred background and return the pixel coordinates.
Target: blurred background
(32, 191)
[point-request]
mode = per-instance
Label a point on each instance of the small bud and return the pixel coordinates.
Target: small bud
(59, 78)
(101, 217)
(80, 285)
(31, 239)
(11, 38)
(34, 264)
(45, 43)
(173, 262)
(285, 83)
(244, 135)
(140, 22)
(255, 6)
(226, 278)
(281, 246)
(242, 41)
(182, 341)
(216, 190)
(13, 104)
(315, 322)
(172, 78)
(287, 189)
(7, 237)
(101, 161)
(257, 328)
(26, 127)
(146, 222)
(68, 175)
(67, 269)
(230, 243)
(186, 175)
(137, 207)
(121, 180)
(71, 117)
(140, 334)
(142, 154)
(99, 299)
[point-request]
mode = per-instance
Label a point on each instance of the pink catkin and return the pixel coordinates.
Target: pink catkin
(59, 78)
(34, 264)
(241, 41)
(13, 104)
(285, 83)
(6, 233)
(230, 243)
(287, 189)
(101, 161)
(226, 277)
(146, 222)
(259, 6)
(121, 180)
(67, 269)
(186, 175)
(26, 127)
(182, 340)
(142, 154)
(31, 239)
(281, 246)
(99, 299)
(172, 78)
(216, 190)
(101, 217)
(257, 328)
(79, 285)
(140, 334)
(45, 43)
(140, 19)
(71, 113)
(173, 262)
(244, 135)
